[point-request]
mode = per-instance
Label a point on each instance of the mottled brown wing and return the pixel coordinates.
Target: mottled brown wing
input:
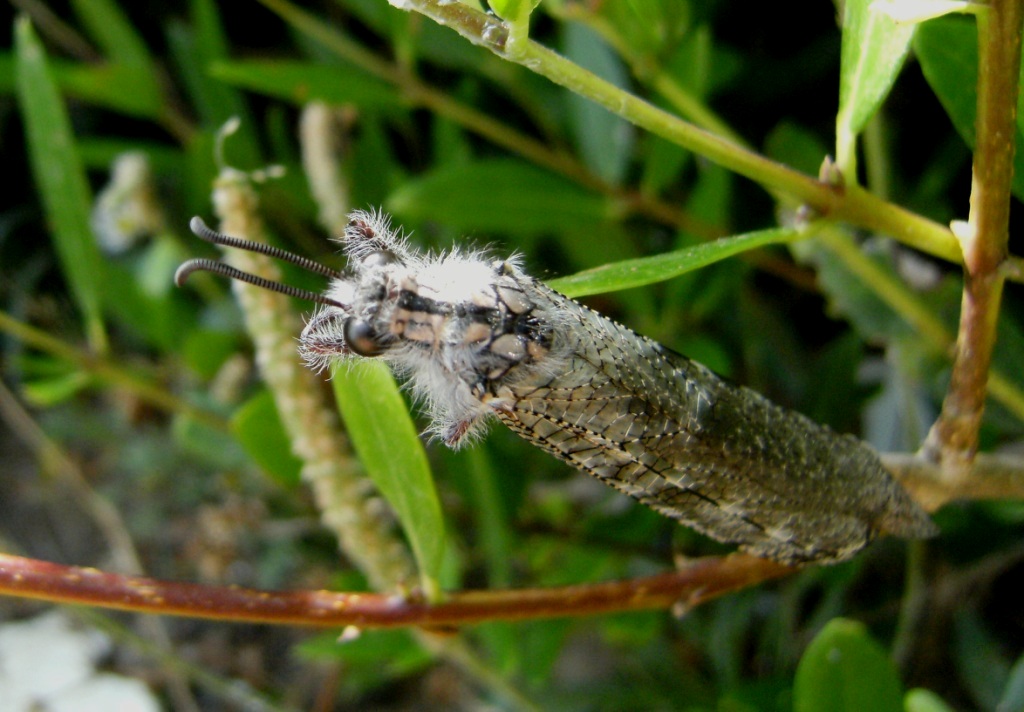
(715, 456)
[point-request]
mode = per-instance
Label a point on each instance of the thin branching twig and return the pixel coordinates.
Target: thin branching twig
(954, 437)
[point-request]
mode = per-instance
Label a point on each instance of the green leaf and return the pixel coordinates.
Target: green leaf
(161, 321)
(920, 700)
(258, 428)
(604, 140)
(947, 49)
(110, 27)
(195, 49)
(302, 82)
(981, 666)
(844, 670)
(374, 660)
(134, 86)
(121, 87)
(50, 391)
(492, 521)
(206, 350)
(650, 29)
(658, 268)
(117, 86)
(1013, 694)
(874, 47)
(60, 177)
(513, 10)
(377, 419)
(499, 195)
(216, 447)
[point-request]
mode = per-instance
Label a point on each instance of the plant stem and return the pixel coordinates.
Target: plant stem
(953, 440)
(702, 580)
(110, 372)
(850, 204)
(990, 477)
(419, 92)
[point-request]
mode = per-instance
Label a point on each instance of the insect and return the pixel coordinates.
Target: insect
(478, 340)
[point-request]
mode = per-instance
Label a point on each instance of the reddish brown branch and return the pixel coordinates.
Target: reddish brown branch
(954, 438)
(701, 581)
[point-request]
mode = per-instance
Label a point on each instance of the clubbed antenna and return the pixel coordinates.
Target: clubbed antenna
(203, 232)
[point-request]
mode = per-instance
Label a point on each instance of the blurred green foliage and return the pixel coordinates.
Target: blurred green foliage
(153, 391)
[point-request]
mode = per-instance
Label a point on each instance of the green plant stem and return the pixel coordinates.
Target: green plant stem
(110, 372)
(852, 204)
(423, 94)
(953, 439)
(684, 101)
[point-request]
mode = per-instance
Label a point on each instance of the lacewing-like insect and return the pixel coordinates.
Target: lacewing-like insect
(479, 339)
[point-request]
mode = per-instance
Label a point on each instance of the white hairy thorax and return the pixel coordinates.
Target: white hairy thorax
(479, 339)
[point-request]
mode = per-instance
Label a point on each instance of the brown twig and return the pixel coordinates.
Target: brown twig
(699, 582)
(953, 440)
(989, 477)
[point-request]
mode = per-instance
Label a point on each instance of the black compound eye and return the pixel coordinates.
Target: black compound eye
(361, 338)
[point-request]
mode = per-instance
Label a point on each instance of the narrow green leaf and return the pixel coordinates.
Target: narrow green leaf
(874, 47)
(159, 322)
(921, 700)
(205, 350)
(492, 522)
(1013, 694)
(947, 49)
(501, 196)
(377, 419)
(844, 670)
(50, 391)
(980, 664)
(137, 89)
(370, 661)
(124, 88)
(604, 140)
(60, 177)
(922, 10)
(302, 82)
(195, 49)
(114, 86)
(207, 444)
(110, 27)
(258, 428)
(658, 268)
(513, 10)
